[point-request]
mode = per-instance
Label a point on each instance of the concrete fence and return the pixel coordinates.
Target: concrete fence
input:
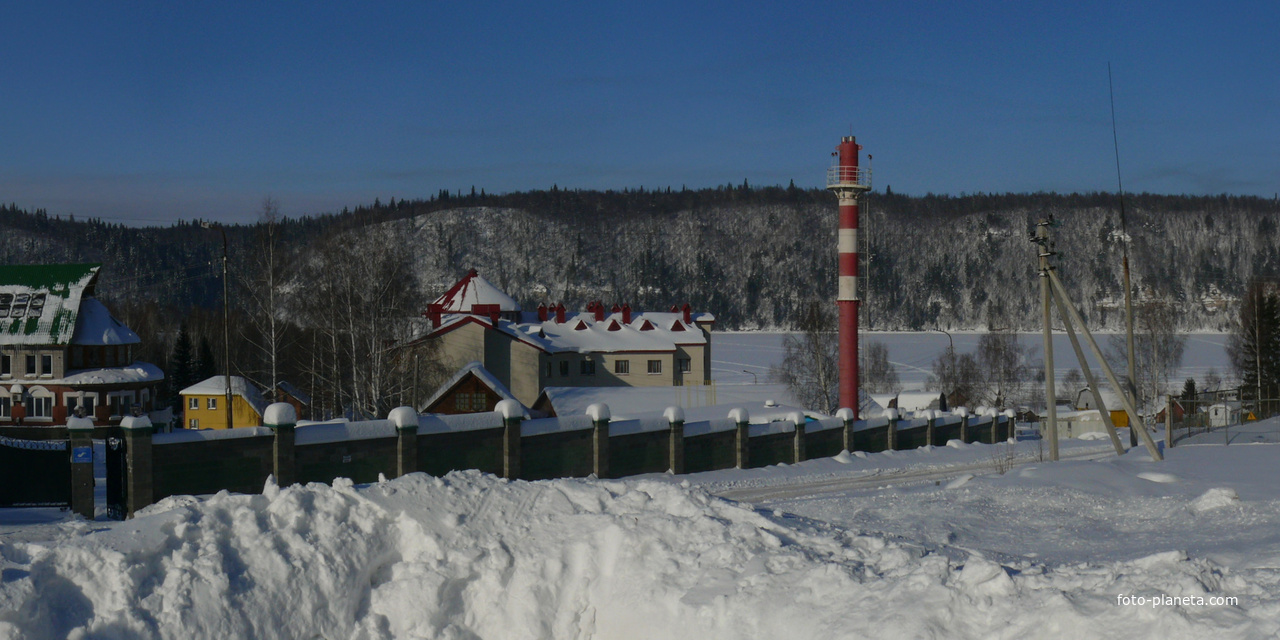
(155, 466)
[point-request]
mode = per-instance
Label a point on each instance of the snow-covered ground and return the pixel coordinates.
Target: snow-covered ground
(930, 543)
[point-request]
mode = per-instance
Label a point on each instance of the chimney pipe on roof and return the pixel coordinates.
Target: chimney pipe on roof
(688, 312)
(542, 312)
(599, 310)
(433, 314)
(560, 312)
(494, 313)
(626, 314)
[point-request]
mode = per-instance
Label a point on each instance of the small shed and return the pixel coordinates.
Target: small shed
(472, 389)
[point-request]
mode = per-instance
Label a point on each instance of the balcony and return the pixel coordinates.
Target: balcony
(839, 177)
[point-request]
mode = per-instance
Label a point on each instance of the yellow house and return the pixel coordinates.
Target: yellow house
(205, 404)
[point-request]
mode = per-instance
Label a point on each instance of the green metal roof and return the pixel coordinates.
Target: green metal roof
(39, 303)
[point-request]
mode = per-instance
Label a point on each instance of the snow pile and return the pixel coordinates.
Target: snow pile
(1215, 499)
(474, 556)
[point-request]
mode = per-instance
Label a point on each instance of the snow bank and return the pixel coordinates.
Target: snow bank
(475, 556)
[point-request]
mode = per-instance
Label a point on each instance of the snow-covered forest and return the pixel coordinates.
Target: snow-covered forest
(752, 256)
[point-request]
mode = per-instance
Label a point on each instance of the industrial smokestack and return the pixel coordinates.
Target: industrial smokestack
(848, 182)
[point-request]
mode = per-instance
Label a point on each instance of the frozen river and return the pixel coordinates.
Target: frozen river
(738, 355)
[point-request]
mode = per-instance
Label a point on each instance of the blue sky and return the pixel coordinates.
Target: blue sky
(145, 112)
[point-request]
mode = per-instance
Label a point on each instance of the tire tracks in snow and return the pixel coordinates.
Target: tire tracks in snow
(885, 478)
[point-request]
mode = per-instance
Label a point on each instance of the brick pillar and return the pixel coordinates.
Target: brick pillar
(282, 420)
(797, 443)
(675, 443)
(137, 436)
(846, 436)
(512, 413)
(405, 420)
(742, 438)
(600, 415)
(80, 431)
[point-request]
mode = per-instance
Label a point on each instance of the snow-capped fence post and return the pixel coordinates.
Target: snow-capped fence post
(846, 436)
(599, 414)
(80, 434)
(930, 433)
(511, 413)
(797, 445)
(405, 420)
(281, 419)
(137, 437)
(675, 445)
(1168, 422)
(995, 428)
(741, 437)
(964, 423)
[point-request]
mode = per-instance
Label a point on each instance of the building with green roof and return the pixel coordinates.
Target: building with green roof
(61, 348)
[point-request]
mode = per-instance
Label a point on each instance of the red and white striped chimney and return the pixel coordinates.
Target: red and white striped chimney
(848, 182)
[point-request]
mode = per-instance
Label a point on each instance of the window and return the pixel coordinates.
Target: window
(37, 306)
(622, 367)
(587, 367)
(470, 402)
(193, 423)
(31, 365)
(6, 407)
(19, 306)
(42, 407)
(564, 368)
(46, 365)
(193, 404)
(6, 301)
(77, 357)
(6, 365)
(655, 366)
(548, 369)
(686, 365)
(212, 404)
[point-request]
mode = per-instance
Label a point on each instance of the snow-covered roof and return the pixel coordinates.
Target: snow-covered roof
(483, 375)
(39, 303)
(138, 372)
(582, 333)
(473, 289)
(296, 393)
(96, 326)
(216, 386)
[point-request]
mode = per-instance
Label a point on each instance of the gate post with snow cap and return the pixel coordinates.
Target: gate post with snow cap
(137, 436)
(797, 443)
(846, 436)
(675, 445)
(80, 432)
(964, 423)
(511, 413)
(405, 420)
(599, 414)
(742, 437)
(282, 419)
(931, 427)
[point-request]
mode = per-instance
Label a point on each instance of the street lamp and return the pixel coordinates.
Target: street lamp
(950, 342)
(226, 315)
(754, 379)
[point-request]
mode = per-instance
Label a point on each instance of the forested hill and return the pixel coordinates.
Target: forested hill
(752, 256)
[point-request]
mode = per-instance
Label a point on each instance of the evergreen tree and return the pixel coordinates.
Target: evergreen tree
(180, 366)
(1254, 345)
(206, 365)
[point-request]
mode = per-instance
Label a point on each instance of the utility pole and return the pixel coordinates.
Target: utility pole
(226, 316)
(1041, 239)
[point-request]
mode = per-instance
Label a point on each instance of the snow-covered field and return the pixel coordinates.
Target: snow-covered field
(737, 355)
(931, 543)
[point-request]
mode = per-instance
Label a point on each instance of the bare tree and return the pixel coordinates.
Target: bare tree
(1158, 349)
(956, 374)
(1070, 386)
(878, 374)
(262, 290)
(810, 366)
(361, 305)
(1005, 368)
